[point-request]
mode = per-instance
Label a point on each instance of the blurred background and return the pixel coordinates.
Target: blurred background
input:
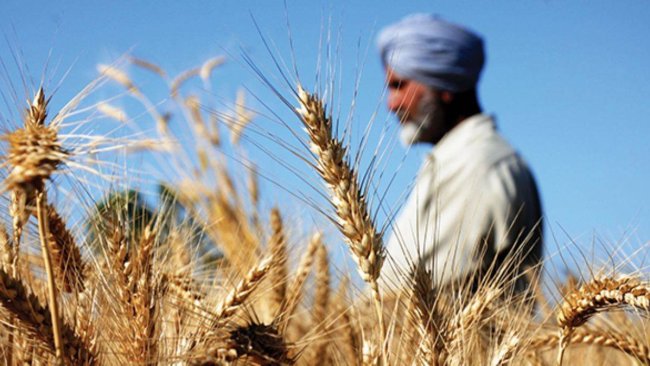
(567, 82)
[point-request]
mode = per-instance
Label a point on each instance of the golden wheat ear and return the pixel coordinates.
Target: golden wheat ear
(237, 297)
(597, 295)
(352, 212)
(35, 153)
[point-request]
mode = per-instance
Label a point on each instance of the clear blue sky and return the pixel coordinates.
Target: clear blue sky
(569, 81)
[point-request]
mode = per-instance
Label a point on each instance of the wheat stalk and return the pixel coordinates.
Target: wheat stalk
(122, 78)
(354, 220)
(43, 233)
(144, 299)
(237, 241)
(252, 185)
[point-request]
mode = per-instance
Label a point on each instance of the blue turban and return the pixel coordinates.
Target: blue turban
(432, 51)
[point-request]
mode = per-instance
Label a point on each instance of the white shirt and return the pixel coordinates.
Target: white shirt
(473, 193)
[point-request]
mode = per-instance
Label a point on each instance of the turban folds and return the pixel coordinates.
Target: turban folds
(433, 52)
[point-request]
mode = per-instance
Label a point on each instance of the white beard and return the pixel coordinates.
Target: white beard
(412, 129)
(409, 133)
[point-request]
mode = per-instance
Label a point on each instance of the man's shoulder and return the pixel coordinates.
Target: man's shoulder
(475, 140)
(492, 149)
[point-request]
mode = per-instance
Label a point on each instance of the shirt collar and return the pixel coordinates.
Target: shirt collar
(455, 141)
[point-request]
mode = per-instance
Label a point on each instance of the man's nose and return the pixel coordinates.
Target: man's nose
(393, 102)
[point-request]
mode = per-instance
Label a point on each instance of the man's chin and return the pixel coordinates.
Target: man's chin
(409, 134)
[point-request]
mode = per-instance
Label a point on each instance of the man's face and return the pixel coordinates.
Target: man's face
(418, 108)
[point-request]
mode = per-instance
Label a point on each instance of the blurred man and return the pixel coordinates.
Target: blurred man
(474, 212)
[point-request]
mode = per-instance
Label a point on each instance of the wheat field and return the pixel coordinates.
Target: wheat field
(208, 277)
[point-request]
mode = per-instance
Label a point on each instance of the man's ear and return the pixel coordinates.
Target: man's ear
(446, 97)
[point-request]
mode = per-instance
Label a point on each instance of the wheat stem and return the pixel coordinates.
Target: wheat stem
(51, 286)
(565, 336)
